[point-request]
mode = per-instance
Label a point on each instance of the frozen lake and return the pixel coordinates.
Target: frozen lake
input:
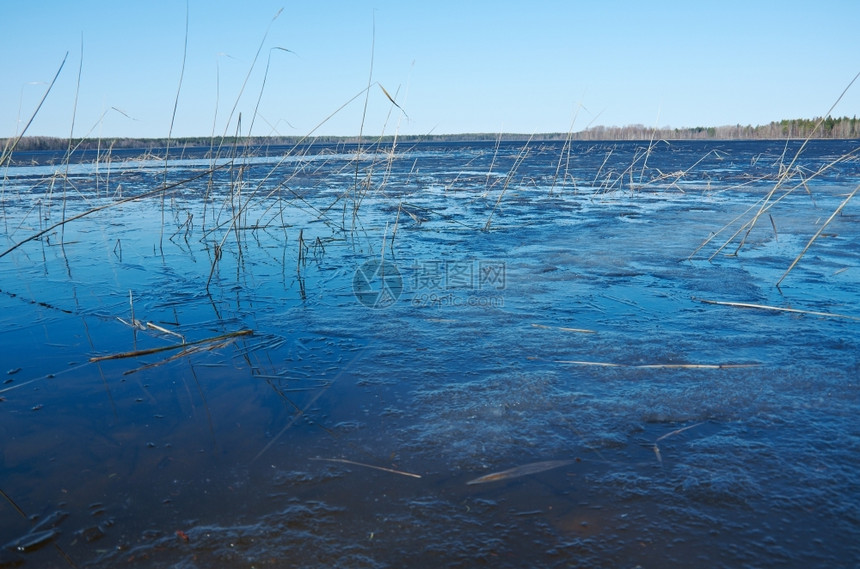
(303, 356)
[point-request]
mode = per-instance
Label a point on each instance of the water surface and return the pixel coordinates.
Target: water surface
(366, 332)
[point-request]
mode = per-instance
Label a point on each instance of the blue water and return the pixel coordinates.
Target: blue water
(442, 311)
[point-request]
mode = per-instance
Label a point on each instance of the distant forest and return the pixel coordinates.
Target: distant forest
(829, 128)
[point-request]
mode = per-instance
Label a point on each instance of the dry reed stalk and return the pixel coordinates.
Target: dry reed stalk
(382, 253)
(657, 366)
(391, 154)
(236, 196)
(168, 188)
(785, 174)
(215, 153)
(681, 173)
(667, 435)
(726, 226)
(493, 161)
(777, 308)
(242, 210)
(677, 431)
(641, 154)
(743, 226)
(215, 259)
(346, 193)
(165, 331)
(263, 85)
(817, 233)
(10, 147)
(14, 505)
(648, 151)
(361, 126)
(460, 172)
(134, 322)
(565, 152)
(107, 158)
(301, 255)
(301, 412)
(247, 77)
(564, 329)
(389, 157)
(382, 468)
(788, 192)
(182, 354)
(173, 120)
(291, 422)
(235, 218)
(606, 186)
(68, 156)
(517, 162)
(519, 471)
(599, 170)
(146, 352)
(396, 221)
(393, 102)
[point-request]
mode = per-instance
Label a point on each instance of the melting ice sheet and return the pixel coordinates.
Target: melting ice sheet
(304, 359)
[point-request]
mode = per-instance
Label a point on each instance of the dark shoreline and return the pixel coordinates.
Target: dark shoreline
(829, 128)
(102, 151)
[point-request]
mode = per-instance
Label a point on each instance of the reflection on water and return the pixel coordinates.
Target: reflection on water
(399, 350)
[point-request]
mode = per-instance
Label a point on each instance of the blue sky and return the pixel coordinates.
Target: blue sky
(453, 66)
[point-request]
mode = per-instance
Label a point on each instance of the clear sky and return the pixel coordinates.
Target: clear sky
(453, 66)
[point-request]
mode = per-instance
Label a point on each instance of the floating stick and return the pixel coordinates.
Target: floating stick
(391, 470)
(776, 308)
(524, 470)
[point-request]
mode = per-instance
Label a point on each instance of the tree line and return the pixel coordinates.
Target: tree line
(826, 127)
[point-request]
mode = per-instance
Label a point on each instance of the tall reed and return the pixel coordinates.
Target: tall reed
(511, 173)
(173, 120)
